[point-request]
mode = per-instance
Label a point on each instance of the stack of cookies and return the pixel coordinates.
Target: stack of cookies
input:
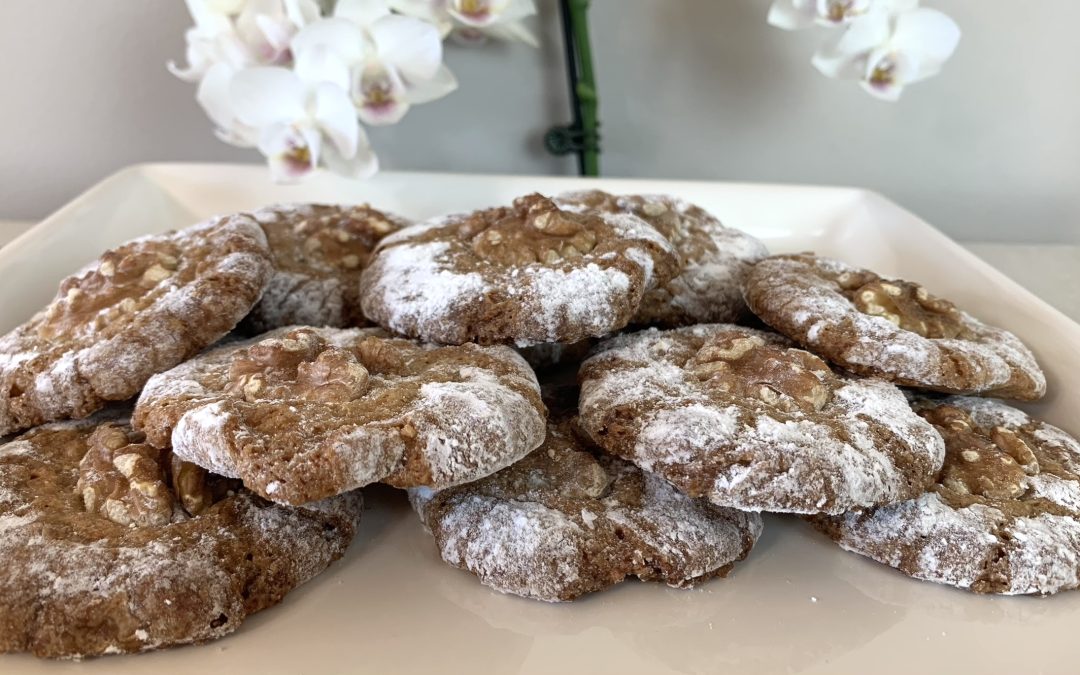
(573, 390)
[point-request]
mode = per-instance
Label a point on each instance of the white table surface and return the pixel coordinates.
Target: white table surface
(1050, 271)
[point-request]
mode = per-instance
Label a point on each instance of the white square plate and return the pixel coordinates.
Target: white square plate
(797, 604)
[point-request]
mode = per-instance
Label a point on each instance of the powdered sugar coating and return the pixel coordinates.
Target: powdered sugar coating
(425, 415)
(640, 400)
(1026, 545)
(76, 584)
(139, 309)
(319, 251)
(716, 259)
(564, 522)
(430, 281)
(797, 295)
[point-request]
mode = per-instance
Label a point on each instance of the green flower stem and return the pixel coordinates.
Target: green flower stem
(582, 136)
(587, 99)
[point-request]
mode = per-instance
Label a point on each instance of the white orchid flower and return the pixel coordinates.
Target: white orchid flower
(800, 14)
(390, 61)
(241, 33)
(887, 52)
(474, 21)
(267, 26)
(213, 95)
(300, 124)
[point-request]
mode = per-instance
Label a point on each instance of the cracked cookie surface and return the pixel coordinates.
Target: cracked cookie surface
(569, 520)
(740, 417)
(139, 309)
(525, 274)
(300, 413)
(112, 546)
(1003, 516)
(889, 328)
(716, 258)
(319, 251)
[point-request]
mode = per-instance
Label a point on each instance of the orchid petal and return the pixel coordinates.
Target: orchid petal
(478, 13)
(248, 19)
(887, 71)
(514, 31)
(213, 95)
(291, 152)
(226, 7)
(469, 36)
(207, 19)
(792, 14)
(890, 93)
(441, 84)
(264, 95)
(838, 12)
(228, 47)
(928, 35)
(379, 94)
(198, 56)
(899, 6)
(839, 58)
(240, 137)
(341, 36)
(276, 36)
(363, 164)
(516, 10)
(361, 12)
(302, 12)
(431, 11)
(411, 46)
(336, 117)
(320, 64)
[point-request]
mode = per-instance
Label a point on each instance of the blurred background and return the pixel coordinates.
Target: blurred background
(988, 150)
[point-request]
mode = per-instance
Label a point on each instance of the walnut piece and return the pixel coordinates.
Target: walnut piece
(744, 366)
(991, 465)
(117, 287)
(121, 478)
(299, 365)
(533, 230)
(343, 238)
(559, 467)
(906, 305)
(191, 486)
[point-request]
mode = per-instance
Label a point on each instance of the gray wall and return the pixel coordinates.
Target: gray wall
(689, 89)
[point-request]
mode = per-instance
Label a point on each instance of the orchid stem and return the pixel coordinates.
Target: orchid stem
(582, 136)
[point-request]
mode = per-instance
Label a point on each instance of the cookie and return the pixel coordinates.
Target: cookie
(319, 251)
(108, 546)
(139, 309)
(525, 274)
(716, 259)
(301, 414)
(566, 521)
(1003, 516)
(889, 328)
(738, 416)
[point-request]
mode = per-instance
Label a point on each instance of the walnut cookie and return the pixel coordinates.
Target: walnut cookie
(300, 414)
(319, 251)
(738, 416)
(526, 274)
(566, 521)
(716, 259)
(889, 328)
(1003, 516)
(110, 547)
(139, 309)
